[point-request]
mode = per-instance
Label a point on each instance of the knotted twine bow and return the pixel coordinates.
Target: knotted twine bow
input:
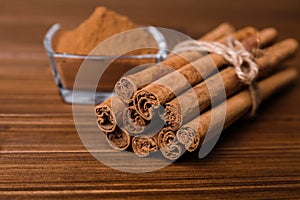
(236, 54)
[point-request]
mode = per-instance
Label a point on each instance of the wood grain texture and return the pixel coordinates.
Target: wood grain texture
(41, 155)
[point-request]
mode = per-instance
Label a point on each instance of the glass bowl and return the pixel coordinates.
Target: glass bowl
(65, 67)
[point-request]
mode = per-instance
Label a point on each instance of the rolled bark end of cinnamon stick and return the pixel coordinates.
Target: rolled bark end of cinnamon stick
(105, 117)
(109, 113)
(144, 145)
(118, 139)
(146, 103)
(133, 122)
(173, 151)
(189, 138)
(166, 137)
(168, 144)
(125, 89)
(172, 115)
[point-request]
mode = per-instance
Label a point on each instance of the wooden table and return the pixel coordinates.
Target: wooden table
(41, 155)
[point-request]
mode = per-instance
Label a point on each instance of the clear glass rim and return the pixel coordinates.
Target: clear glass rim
(157, 35)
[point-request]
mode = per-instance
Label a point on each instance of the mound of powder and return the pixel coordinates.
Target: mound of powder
(102, 24)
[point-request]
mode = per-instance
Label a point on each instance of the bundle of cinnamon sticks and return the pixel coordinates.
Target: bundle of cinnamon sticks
(158, 109)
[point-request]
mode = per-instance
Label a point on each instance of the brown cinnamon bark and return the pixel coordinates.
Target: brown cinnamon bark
(166, 88)
(166, 137)
(144, 145)
(177, 113)
(173, 151)
(118, 139)
(168, 144)
(108, 112)
(126, 87)
(133, 122)
(236, 107)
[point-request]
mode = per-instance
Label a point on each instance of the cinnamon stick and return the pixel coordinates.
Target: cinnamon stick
(132, 121)
(165, 137)
(236, 107)
(164, 89)
(134, 124)
(144, 145)
(169, 145)
(108, 112)
(127, 85)
(177, 113)
(173, 151)
(118, 139)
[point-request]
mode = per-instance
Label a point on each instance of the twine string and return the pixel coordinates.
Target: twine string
(234, 53)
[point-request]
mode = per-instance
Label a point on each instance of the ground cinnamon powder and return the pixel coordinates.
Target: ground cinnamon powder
(102, 24)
